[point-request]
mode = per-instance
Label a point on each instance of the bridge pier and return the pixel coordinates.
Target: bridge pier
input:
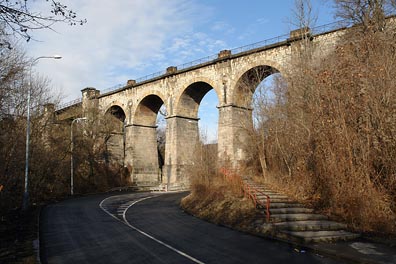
(182, 135)
(90, 102)
(235, 124)
(141, 154)
(115, 147)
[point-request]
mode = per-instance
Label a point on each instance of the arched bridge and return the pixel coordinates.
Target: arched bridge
(232, 74)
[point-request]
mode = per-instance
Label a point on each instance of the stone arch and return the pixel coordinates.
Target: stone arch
(141, 146)
(106, 107)
(236, 116)
(116, 111)
(187, 103)
(114, 118)
(244, 67)
(147, 110)
(247, 82)
(143, 111)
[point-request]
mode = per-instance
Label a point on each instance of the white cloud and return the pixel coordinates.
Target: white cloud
(127, 39)
(262, 21)
(122, 40)
(221, 26)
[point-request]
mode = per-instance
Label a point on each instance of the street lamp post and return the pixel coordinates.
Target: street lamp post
(25, 203)
(71, 153)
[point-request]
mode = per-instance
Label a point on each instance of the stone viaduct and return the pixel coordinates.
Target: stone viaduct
(180, 90)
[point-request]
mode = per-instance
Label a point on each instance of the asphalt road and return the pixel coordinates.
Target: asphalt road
(147, 228)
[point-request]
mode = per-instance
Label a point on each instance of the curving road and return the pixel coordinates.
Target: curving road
(149, 228)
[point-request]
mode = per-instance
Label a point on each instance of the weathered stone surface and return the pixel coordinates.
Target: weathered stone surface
(141, 158)
(181, 91)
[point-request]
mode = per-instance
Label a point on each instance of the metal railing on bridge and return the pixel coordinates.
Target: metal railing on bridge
(261, 44)
(68, 104)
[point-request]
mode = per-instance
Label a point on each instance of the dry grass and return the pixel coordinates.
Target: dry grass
(212, 197)
(331, 140)
(219, 205)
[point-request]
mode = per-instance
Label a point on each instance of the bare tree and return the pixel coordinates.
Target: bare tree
(303, 14)
(17, 18)
(14, 82)
(331, 137)
(369, 13)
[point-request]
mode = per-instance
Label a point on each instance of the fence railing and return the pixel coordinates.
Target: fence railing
(65, 105)
(261, 44)
(196, 62)
(112, 88)
(249, 191)
(329, 27)
(150, 76)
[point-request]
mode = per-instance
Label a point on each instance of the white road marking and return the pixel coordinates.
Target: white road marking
(142, 232)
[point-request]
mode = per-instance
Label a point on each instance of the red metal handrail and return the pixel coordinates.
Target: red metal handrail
(268, 200)
(248, 191)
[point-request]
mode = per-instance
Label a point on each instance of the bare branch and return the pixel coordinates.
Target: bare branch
(17, 18)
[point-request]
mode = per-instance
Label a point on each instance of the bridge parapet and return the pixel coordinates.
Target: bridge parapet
(69, 104)
(282, 39)
(224, 54)
(131, 82)
(171, 70)
(233, 74)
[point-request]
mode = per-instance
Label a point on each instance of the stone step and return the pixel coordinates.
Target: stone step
(296, 217)
(291, 210)
(273, 196)
(268, 192)
(257, 186)
(317, 236)
(265, 190)
(274, 204)
(310, 225)
(277, 200)
(292, 221)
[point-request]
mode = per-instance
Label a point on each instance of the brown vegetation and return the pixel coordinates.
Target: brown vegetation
(330, 135)
(49, 151)
(326, 133)
(212, 197)
(49, 155)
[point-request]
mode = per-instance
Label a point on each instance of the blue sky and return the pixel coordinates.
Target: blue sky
(126, 39)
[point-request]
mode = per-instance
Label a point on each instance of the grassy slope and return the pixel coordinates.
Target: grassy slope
(219, 205)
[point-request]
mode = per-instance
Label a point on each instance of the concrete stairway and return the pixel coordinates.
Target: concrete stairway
(292, 221)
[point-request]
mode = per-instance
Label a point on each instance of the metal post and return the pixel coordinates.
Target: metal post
(25, 202)
(71, 154)
(26, 192)
(71, 157)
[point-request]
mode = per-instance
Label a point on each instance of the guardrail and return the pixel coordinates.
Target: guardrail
(248, 191)
(252, 191)
(150, 76)
(65, 105)
(330, 27)
(112, 88)
(197, 62)
(261, 44)
(316, 31)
